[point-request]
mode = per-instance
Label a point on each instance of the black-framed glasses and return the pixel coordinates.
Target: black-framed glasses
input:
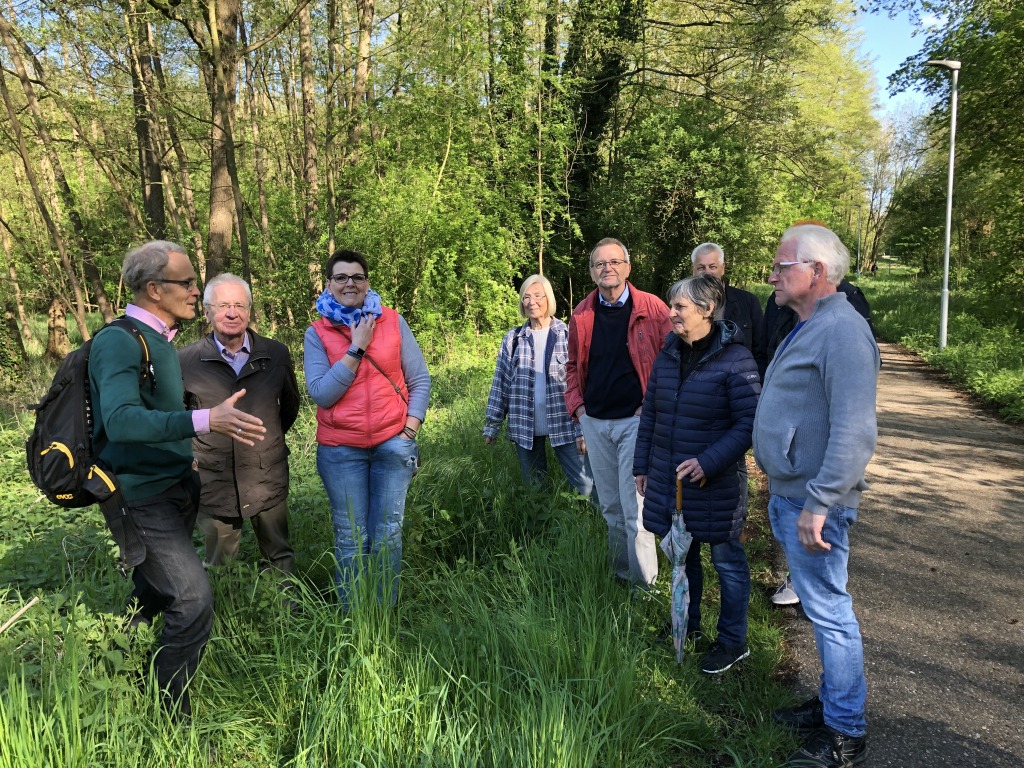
(342, 279)
(188, 285)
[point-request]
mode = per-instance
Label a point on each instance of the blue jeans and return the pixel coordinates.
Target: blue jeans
(730, 561)
(820, 580)
(366, 488)
(533, 463)
(172, 580)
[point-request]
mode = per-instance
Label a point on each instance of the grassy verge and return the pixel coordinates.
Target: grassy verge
(511, 644)
(985, 343)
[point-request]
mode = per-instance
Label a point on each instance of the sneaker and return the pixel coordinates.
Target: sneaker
(828, 748)
(785, 594)
(804, 718)
(721, 656)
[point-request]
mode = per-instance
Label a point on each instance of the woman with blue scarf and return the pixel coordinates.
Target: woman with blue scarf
(367, 375)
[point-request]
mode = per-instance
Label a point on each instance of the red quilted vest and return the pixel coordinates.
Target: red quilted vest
(370, 412)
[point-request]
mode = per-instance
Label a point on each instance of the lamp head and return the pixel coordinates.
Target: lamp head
(944, 63)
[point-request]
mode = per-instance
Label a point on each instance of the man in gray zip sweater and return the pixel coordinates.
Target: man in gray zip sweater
(814, 434)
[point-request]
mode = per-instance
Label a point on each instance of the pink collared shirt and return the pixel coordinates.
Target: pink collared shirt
(201, 418)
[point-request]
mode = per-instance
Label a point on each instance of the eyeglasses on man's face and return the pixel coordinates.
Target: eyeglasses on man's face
(600, 266)
(342, 279)
(779, 267)
(188, 285)
(223, 307)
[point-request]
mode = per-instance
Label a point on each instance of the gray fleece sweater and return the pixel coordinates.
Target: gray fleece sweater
(815, 428)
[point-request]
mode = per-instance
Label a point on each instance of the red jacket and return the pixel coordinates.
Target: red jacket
(649, 324)
(371, 411)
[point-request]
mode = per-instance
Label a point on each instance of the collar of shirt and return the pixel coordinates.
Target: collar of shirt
(240, 356)
(146, 317)
(621, 300)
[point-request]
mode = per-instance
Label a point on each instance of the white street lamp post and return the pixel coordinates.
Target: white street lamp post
(954, 68)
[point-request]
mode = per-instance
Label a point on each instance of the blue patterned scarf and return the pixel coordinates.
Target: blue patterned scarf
(339, 314)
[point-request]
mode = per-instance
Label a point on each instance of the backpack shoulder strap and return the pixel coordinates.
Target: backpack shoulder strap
(146, 371)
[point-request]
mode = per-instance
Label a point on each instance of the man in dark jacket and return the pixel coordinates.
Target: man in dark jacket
(741, 307)
(242, 482)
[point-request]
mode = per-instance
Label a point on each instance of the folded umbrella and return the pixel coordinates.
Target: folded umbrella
(675, 545)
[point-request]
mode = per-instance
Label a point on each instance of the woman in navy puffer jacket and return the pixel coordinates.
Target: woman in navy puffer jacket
(696, 424)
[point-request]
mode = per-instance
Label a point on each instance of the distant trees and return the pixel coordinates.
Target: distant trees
(987, 36)
(462, 145)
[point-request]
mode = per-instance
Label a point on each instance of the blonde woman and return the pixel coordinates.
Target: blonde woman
(529, 389)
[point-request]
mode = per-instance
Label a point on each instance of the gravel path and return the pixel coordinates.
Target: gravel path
(937, 577)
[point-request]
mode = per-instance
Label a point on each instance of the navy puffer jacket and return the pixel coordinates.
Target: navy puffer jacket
(710, 416)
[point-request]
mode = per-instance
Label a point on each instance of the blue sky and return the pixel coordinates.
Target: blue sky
(887, 42)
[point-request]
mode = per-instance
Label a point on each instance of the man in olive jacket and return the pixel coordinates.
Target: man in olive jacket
(241, 482)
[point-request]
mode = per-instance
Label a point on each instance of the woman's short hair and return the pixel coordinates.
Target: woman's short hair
(706, 292)
(549, 293)
(146, 263)
(816, 242)
(349, 257)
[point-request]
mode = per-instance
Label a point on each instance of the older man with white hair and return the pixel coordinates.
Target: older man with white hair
(741, 307)
(814, 434)
(242, 482)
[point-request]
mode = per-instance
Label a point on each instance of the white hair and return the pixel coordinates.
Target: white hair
(816, 243)
(705, 248)
(222, 279)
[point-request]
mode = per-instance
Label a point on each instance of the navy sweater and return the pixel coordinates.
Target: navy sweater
(709, 415)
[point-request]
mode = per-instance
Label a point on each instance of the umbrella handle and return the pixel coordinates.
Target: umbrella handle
(679, 494)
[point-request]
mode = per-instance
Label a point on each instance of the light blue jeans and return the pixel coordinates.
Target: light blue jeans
(632, 549)
(533, 463)
(366, 488)
(820, 580)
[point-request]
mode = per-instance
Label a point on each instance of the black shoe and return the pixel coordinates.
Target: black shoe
(807, 717)
(721, 656)
(828, 748)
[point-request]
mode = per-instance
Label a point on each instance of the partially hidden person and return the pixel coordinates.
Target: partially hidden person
(528, 389)
(242, 482)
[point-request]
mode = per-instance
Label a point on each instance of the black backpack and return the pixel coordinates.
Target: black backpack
(61, 457)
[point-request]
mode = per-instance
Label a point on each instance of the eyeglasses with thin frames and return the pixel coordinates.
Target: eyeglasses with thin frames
(778, 269)
(188, 285)
(224, 307)
(342, 279)
(613, 263)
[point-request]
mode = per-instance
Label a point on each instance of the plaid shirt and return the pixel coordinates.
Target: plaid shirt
(512, 388)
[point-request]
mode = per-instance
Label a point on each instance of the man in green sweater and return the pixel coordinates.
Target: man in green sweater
(144, 434)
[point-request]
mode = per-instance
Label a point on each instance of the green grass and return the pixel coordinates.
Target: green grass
(985, 341)
(511, 643)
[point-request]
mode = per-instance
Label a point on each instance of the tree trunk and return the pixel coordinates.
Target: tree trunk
(309, 158)
(91, 271)
(44, 210)
(225, 194)
(183, 162)
(12, 274)
(57, 342)
(146, 131)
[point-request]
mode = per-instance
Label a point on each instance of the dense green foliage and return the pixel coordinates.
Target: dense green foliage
(985, 346)
(462, 146)
(511, 643)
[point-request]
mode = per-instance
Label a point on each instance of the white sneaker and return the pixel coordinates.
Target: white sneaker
(785, 594)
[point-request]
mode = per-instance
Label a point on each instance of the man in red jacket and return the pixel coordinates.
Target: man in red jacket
(615, 334)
